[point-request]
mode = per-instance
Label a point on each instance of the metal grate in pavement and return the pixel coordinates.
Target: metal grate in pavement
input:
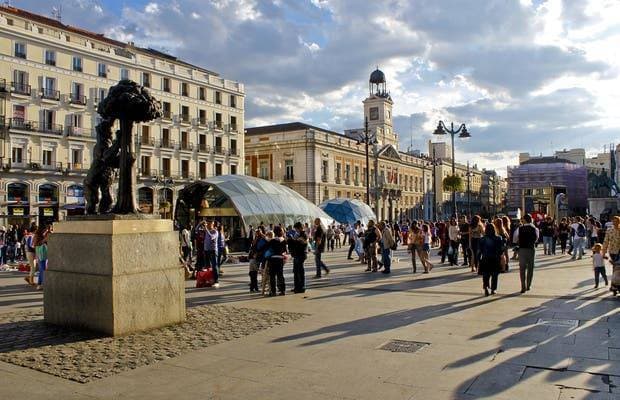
(403, 346)
(558, 323)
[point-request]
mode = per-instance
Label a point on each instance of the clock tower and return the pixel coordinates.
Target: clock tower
(378, 110)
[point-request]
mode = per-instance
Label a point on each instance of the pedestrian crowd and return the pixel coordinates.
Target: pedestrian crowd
(27, 246)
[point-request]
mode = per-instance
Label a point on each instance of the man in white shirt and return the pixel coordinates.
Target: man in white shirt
(579, 232)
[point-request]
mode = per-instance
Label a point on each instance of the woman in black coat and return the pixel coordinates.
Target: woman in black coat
(490, 249)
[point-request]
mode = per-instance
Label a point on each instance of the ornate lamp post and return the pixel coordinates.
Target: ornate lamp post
(463, 134)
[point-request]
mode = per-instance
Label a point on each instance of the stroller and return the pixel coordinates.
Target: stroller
(615, 277)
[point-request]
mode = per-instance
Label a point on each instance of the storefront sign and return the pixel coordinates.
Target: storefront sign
(16, 211)
(48, 212)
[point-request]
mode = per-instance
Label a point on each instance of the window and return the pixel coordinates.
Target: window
(145, 165)
(20, 50)
(218, 145)
(324, 170)
(374, 113)
(233, 147)
(17, 155)
(263, 170)
(20, 84)
(77, 64)
(167, 114)
(145, 138)
(202, 170)
(184, 113)
(233, 169)
(19, 113)
(165, 137)
(48, 119)
(218, 98)
(76, 158)
(202, 93)
(233, 124)
(124, 74)
(50, 57)
(77, 93)
(218, 120)
(288, 168)
(165, 84)
(47, 159)
(185, 168)
(202, 117)
(185, 141)
(165, 166)
(233, 101)
(338, 172)
(202, 140)
(218, 169)
(102, 70)
(49, 89)
(184, 89)
(356, 175)
(76, 120)
(146, 79)
(347, 172)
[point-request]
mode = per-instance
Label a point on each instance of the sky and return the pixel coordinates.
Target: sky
(523, 75)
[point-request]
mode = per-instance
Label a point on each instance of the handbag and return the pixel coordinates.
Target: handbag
(502, 262)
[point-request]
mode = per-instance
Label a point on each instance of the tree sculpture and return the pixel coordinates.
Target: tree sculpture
(101, 173)
(128, 102)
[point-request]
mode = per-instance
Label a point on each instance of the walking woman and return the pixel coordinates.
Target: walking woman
(491, 247)
(476, 231)
(426, 249)
(612, 241)
(503, 233)
(506, 226)
(563, 231)
(40, 245)
(415, 241)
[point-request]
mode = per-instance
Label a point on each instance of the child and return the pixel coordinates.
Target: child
(598, 261)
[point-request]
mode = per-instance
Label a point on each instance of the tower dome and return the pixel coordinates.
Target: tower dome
(377, 86)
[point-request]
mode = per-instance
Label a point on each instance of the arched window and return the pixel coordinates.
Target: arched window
(145, 200)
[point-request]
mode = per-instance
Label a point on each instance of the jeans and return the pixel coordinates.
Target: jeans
(31, 262)
(465, 246)
(299, 276)
(599, 271)
(351, 248)
(526, 267)
(490, 273)
(547, 242)
(2, 255)
(276, 273)
(42, 266)
(211, 261)
(319, 264)
(579, 244)
(386, 257)
(454, 258)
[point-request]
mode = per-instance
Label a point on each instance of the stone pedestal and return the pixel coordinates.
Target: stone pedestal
(114, 276)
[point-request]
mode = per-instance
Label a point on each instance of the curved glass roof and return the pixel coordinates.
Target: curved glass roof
(348, 211)
(257, 200)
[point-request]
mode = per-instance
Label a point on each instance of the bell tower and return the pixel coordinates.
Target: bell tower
(378, 110)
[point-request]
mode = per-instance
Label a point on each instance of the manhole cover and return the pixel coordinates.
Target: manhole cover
(403, 346)
(560, 323)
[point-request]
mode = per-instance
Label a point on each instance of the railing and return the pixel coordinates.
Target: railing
(187, 175)
(203, 148)
(337, 180)
(185, 118)
(202, 121)
(147, 141)
(45, 127)
(75, 98)
(166, 114)
(288, 178)
(79, 131)
(51, 62)
(50, 94)
(103, 74)
(147, 172)
(218, 124)
(166, 173)
(20, 54)
(219, 150)
(78, 68)
(167, 144)
(166, 89)
(77, 167)
(233, 152)
(233, 127)
(3, 87)
(20, 88)
(323, 178)
(187, 146)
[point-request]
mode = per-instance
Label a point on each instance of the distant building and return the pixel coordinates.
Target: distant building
(533, 185)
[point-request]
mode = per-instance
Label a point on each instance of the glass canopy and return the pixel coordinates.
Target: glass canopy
(348, 211)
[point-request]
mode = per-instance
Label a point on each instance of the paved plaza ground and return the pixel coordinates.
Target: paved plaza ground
(561, 340)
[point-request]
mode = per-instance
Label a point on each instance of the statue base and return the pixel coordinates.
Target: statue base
(115, 276)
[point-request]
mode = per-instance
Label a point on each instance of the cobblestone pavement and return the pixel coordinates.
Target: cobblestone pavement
(27, 341)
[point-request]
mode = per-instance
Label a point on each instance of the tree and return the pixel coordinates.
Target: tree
(453, 183)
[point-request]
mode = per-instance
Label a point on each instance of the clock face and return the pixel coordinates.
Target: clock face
(374, 113)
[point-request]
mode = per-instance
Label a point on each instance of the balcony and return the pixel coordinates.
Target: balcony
(166, 89)
(187, 146)
(20, 54)
(20, 88)
(218, 125)
(219, 150)
(146, 141)
(102, 74)
(78, 131)
(288, 178)
(167, 115)
(166, 173)
(3, 88)
(323, 178)
(35, 126)
(77, 68)
(77, 99)
(233, 152)
(187, 175)
(49, 61)
(184, 118)
(233, 127)
(167, 144)
(147, 173)
(338, 180)
(203, 148)
(50, 94)
(201, 121)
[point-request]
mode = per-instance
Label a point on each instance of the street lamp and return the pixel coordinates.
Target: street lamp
(367, 139)
(463, 134)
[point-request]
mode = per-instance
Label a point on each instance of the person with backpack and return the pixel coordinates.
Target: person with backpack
(320, 240)
(211, 251)
(526, 236)
(579, 238)
(30, 251)
(298, 247)
(491, 247)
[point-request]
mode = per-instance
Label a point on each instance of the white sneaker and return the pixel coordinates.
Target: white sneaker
(216, 285)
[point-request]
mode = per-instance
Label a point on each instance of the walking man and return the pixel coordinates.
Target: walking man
(526, 236)
(319, 243)
(387, 243)
(298, 247)
(352, 233)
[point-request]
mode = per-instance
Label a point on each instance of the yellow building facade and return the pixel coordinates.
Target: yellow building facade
(52, 76)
